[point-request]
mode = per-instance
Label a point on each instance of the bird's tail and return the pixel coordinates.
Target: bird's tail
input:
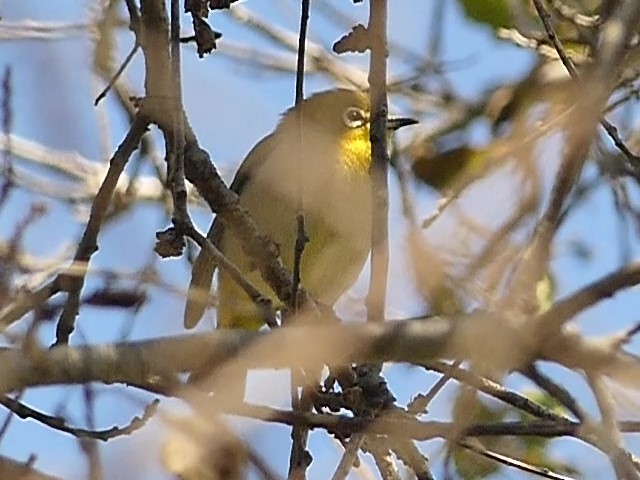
(198, 294)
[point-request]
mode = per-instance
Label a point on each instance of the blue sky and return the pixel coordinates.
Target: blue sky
(230, 106)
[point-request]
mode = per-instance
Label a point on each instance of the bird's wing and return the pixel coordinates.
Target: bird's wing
(204, 265)
(255, 159)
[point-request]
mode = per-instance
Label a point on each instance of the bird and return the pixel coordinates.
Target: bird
(335, 156)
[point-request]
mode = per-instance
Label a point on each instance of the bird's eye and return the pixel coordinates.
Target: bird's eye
(354, 117)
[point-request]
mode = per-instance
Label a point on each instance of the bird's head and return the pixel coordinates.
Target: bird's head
(345, 114)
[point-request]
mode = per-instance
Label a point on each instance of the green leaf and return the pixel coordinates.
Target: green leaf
(546, 292)
(495, 13)
(469, 409)
(471, 466)
(450, 169)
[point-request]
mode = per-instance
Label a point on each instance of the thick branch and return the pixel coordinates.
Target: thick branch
(472, 337)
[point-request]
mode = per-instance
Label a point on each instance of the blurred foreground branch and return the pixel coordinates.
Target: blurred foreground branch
(489, 340)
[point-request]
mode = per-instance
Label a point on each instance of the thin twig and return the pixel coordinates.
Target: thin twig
(299, 457)
(379, 161)
(497, 391)
(565, 309)
(609, 433)
(535, 261)
(117, 74)
(512, 462)
(301, 234)
(28, 301)
(611, 130)
(383, 458)
(316, 55)
(260, 465)
(264, 304)
(89, 445)
(30, 30)
(421, 403)
(10, 417)
(57, 423)
(6, 168)
(349, 457)
(558, 392)
(88, 244)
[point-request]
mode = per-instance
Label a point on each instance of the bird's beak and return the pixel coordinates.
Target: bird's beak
(399, 122)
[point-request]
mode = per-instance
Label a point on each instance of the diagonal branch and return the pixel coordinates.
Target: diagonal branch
(88, 245)
(585, 117)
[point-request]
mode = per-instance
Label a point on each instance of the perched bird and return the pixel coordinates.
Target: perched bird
(336, 158)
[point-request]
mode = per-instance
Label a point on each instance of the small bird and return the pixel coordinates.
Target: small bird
(336, 161)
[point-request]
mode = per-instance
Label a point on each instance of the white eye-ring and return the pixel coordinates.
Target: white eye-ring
(354, 117)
